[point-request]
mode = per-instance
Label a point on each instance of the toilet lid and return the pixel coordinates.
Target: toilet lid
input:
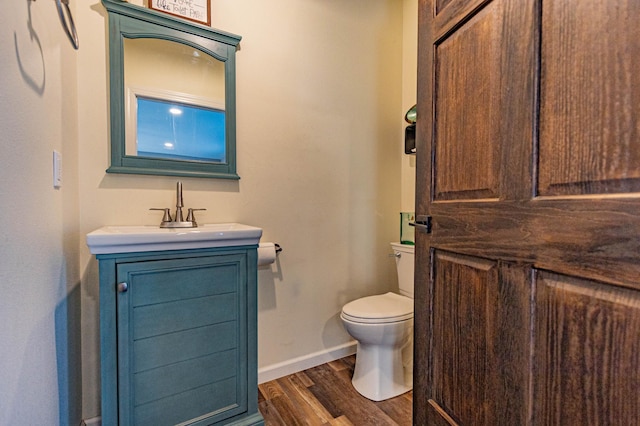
(389, 307)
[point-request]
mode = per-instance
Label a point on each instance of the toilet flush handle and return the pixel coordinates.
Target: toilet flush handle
(397, 255)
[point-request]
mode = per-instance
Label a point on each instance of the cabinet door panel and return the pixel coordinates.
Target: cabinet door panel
(159, 286)
(182, 406)
(174, 379)
(154, 320)
(184, 345)
(180, 348)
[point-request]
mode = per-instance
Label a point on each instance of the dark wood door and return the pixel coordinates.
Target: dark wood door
(528, 287)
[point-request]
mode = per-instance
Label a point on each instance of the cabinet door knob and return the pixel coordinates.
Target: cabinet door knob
(122, 287)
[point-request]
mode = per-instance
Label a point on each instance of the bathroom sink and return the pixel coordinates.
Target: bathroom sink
(127, 239)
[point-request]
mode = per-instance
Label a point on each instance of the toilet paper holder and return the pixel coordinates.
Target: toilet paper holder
(268, 253)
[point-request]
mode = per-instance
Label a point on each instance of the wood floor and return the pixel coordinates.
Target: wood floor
(323, 395)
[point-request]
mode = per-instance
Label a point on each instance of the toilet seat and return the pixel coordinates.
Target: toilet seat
(380, 309)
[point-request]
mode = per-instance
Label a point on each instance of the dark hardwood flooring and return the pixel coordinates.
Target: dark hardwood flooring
(324, 395)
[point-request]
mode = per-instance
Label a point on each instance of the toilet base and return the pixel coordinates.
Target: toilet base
(380, 372)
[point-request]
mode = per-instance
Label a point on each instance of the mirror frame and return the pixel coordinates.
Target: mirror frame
(132, 21)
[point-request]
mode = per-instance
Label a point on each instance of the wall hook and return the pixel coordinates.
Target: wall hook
(67, 22)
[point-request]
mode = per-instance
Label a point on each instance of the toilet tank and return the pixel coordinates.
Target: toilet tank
(404, 266)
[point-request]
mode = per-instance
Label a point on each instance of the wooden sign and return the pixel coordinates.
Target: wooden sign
(193, 10)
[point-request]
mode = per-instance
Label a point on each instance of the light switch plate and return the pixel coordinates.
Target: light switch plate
(57, 169)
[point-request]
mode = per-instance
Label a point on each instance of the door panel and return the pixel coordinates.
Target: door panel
(441, 4)
(438, 416)
(528, 162)
(447, 11)
(587, 352)
(459, 302)
(467, 119)
(590, 87)
(473, 86)
(480, 363)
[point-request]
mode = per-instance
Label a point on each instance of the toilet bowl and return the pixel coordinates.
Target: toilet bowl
(383, 327)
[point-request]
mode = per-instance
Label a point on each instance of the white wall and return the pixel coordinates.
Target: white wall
(39, 260)
(409, 97)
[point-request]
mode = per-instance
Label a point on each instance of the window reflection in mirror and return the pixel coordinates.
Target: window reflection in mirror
(179, 131)
(160, 75)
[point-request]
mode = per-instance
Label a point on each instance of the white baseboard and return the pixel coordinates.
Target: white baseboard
(94, 421)
(281, 369)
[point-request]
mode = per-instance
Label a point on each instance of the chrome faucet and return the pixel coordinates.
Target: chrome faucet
(179, 202)
(178, 221)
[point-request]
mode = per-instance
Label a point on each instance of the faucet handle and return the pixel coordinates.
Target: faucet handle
(167, 215)
(191, 217)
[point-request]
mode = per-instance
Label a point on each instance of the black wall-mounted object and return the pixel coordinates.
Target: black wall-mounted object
(410, 139)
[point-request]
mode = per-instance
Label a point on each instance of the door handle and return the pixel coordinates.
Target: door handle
(122, 287)
(423, 223)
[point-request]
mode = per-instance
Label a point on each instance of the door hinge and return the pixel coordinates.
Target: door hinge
(423, 223)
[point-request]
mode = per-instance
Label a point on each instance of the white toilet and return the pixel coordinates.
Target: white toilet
(383, 327)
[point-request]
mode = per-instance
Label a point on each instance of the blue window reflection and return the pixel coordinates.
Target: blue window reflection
(167, 129)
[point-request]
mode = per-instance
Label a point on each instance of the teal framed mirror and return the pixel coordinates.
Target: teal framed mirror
(172, 95)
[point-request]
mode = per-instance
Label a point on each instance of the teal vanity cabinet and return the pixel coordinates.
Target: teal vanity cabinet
(178, 337)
